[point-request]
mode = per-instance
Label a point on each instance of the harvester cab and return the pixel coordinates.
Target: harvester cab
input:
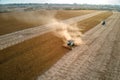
(103, 22)
(69, 44)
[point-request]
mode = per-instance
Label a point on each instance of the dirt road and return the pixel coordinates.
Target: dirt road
(20, 36)
(97, 59)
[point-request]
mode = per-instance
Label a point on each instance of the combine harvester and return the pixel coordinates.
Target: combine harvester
(69, 44)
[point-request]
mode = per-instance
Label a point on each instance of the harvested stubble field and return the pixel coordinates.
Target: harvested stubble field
(31, 58)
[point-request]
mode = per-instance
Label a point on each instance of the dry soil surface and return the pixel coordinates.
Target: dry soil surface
(97, 59)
